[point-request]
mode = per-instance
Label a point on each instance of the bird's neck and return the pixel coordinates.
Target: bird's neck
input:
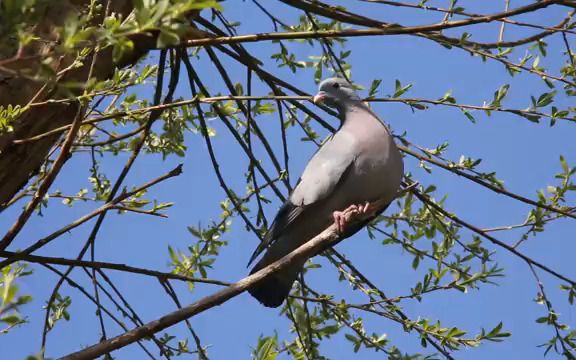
(349, 118)
(351, 107)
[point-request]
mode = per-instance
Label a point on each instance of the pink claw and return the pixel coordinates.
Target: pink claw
(340, 216)
(339, 220)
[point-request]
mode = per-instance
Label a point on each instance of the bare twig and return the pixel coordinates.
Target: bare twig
(389, 30)
(101, 210)
(111, 266)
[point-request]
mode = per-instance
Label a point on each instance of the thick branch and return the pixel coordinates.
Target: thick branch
(390, 30)
(45, 185)
(327, 238)
(344, 16)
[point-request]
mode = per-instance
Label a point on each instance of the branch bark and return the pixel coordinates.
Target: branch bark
(110, 266)
(17, 90)
(327, 238)
(389, 30)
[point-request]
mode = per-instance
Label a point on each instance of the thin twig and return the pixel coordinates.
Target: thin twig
(97, 212)
(111, 266)
(390, 30)
(492, 239)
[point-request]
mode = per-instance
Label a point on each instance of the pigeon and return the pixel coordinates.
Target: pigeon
(356, 165)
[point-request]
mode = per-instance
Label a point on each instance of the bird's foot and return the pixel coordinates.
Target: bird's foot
(341, 218)
(339, 221)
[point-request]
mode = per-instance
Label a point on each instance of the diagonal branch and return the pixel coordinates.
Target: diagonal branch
(45, 185)
(389, 30)
(110, 266)
(344, 16)
(327, 238)
(97, 212)
(426, 200)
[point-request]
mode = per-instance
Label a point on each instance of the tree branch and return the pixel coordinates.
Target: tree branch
(389, 30)
(45, 185)
(216, 99)
(492, 239)
(102, 209)
(327, 238)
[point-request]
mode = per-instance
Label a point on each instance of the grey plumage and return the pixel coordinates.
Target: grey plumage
(358, 163)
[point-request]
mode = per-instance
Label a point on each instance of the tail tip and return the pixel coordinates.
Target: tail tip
(271, 292)
(268, 299)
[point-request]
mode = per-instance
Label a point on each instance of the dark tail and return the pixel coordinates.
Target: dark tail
(272, 292)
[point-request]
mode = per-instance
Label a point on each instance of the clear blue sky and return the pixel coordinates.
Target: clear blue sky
(525, 156)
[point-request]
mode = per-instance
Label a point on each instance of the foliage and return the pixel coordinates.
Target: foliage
(12, 301)
(186, 91)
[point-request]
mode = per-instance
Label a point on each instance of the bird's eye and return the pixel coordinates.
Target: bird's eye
(335, 85)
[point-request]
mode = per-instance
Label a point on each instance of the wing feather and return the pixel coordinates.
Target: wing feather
(327, 168)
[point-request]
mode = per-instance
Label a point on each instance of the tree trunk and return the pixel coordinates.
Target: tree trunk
(19, 162)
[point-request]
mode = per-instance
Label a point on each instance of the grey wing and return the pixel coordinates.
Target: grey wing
(286, 215)
(325, 170)
(321, 177)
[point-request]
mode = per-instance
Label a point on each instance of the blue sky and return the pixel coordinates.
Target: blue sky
(524, 155)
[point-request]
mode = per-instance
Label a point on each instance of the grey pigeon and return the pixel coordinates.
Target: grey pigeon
(357, 164)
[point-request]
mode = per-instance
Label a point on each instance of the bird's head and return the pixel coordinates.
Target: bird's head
(335, 92)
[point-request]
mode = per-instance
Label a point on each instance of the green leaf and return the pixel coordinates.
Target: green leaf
(448, 97)
(173, 255)
(545, 99)
(532, 118)
(167, 38)
(468, 115)
(266, 349)
(266, 108)
(238, 88)
(11, 319)
(542, 320)
(499, 95)
(536, 62)
(374, 87)
(399, 89)
(564, 165)
(542, 47)
(121, 47)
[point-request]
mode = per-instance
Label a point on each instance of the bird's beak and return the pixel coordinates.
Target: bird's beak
(319, 98)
